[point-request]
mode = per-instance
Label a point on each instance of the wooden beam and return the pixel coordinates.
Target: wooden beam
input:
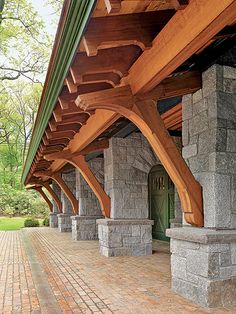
(44, 196)
(113, 6)
(97, 146)
(146, 117)
(183, 35)
(58, 179)
(123, 30)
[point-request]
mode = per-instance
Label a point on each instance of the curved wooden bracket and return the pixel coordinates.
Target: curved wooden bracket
(44, 196)
(54, 196)
(74, 202)
(104, 200)
(58, 179)
(144, 115)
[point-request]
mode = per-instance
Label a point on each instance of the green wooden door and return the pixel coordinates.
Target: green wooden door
(161, 201)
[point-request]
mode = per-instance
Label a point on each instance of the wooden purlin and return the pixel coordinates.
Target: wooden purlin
(144, 115)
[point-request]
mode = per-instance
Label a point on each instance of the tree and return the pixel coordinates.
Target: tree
(24, 44)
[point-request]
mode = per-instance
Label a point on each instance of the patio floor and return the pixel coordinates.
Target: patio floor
(44, 271)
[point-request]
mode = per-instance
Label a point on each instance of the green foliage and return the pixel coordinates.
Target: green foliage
(31, 222)
(21, 202)
(46, 222)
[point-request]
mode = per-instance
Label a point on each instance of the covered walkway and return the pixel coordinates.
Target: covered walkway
(43, 271)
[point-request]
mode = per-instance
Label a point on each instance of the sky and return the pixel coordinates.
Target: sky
(46, 13)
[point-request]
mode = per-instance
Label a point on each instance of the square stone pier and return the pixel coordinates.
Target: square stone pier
(203, 265)
(53, 220)
(203, 261)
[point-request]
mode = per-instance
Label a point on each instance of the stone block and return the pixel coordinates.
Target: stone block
(229, 72)
(178, 267)
(187, 107)
(84, 227)
(190, 151)
(199, 123)
(197, 96)
(231, 140)
(212, 80)
(233, 253)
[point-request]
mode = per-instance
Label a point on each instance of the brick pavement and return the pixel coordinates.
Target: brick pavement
(44, 271)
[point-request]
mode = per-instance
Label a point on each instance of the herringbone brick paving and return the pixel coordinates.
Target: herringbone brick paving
(44, 271)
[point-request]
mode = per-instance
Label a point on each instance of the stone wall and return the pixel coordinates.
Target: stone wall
(209, 139)
(88, 202)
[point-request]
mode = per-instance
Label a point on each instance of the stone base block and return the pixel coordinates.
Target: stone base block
(125, 237)
(203, 265)
(84, 227)
(53, 220)
(64, 222)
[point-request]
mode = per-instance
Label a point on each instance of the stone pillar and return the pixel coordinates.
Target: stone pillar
(203, 260)
(64, 219)
(84, 225)
(53, 217)
(127, 163)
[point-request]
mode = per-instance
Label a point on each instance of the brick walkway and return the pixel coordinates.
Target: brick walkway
(44, 271)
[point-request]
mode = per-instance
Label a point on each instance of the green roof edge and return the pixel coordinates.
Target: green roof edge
(76, 21)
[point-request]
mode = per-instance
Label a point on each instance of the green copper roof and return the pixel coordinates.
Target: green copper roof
(77, 17)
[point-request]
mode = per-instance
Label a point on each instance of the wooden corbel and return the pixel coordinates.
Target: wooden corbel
(44, 196)
(58, 179)
(144, 115)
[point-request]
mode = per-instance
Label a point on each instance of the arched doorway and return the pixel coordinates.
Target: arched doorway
(161, 201)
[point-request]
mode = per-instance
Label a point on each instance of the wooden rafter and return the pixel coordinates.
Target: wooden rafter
(97, 146)
(122, 30)
(182, 36)
(117, 60)
(144, 115)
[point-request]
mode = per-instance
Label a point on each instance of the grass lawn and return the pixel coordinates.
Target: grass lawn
(13, 223)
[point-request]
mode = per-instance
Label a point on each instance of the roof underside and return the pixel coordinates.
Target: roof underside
(99, 53)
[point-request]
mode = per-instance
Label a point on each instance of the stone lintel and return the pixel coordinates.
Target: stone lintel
(112, 222)
(202, 235)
